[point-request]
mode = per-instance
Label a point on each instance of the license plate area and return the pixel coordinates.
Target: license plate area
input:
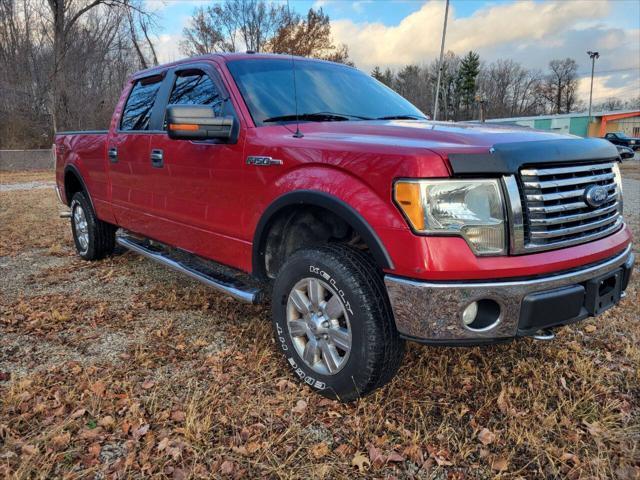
(603, 292)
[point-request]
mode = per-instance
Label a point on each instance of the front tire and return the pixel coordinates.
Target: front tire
(94, 239)
(333, 322)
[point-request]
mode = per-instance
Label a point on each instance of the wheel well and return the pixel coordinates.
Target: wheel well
(72, 185)
(297, 226)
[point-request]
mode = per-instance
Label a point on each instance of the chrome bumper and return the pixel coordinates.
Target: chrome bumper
(431, 312)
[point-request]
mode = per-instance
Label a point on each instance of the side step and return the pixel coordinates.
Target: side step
(223, 279)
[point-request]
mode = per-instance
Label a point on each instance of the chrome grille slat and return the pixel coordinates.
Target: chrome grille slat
(555, 212)
(538, 172)
(584, 239)
(565, 207)
(545, 197)
(562, 232)
(574, 218)
(569, 181)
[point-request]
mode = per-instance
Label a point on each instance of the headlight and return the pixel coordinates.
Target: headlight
(472, 209)
(618, 179)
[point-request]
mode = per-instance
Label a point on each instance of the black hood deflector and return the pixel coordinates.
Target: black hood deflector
(508, 158)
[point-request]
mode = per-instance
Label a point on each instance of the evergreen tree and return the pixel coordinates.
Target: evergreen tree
(468, 73)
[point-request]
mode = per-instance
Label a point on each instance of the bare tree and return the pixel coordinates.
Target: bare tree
(65, 15)
(560, 85)
(261, 27)
(308, 36)
(80, 90)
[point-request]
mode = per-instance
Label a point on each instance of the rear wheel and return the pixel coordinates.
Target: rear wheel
(333, 322)
(94, 239)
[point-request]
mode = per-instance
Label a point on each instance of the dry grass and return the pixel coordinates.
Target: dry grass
(26, 176)
(123, 369)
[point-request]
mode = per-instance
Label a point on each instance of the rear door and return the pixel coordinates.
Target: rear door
(128, 156)
(198, 184)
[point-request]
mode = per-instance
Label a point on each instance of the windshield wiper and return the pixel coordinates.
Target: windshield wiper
(315, 117)
(401, 117)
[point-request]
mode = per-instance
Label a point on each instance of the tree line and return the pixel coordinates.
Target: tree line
(504, 88)
(66, 62)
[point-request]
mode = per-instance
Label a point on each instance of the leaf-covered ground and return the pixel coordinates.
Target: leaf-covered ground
(121, 368)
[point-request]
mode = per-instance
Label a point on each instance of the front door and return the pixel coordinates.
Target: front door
(197, 184)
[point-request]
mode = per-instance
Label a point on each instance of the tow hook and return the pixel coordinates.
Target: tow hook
(546, 335)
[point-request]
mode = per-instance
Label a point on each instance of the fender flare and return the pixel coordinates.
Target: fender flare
(319, 199)
(74, 170)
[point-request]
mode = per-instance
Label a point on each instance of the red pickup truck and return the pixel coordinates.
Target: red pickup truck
(313, 185)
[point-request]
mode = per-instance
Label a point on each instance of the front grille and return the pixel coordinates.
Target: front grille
(554, 211)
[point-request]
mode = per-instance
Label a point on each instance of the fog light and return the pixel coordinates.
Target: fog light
(469, 314)
(481, 315)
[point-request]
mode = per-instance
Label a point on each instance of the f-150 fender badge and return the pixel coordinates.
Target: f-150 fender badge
(263, 161)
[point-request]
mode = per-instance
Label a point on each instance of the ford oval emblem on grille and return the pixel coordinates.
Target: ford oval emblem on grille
(596, 195)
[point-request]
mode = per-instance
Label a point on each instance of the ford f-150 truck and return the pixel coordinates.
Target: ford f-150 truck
(312, 185)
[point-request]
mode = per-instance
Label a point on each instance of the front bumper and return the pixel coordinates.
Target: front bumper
(431, 312)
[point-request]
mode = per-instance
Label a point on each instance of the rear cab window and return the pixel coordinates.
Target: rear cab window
(136, 115)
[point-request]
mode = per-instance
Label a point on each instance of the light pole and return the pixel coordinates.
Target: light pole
(444, 34)
(593, 56)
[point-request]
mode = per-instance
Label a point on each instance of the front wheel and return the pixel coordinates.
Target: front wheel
(333, 322)
(94, 239)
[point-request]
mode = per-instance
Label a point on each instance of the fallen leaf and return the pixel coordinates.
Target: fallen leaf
(227, 467)
(320, 450)
(360, 461)
(570, 457)
(486, 436)
(98, 388)
(148, 384)
(300, 407)
(590, 328)
(94, 449)
(61, 441)
(395, 457)
(164, 443)
(28, 449)
(178, 416)
(78, 413)
(376, 457)
(4, 376)
(500, 464)
(503, 403)
(140, 432)
(107, 422)
(342, 450)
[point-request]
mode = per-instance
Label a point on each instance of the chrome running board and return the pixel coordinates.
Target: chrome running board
(214, 275)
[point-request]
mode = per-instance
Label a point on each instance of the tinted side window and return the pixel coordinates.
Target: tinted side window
(196, 89)
(137, 111)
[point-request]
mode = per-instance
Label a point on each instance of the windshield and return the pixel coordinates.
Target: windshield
(326, 92)
(622, 135)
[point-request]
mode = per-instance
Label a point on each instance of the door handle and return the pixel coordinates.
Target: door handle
(113, 155)
(157, 158)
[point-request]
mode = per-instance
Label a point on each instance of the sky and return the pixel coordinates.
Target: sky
(393, 33)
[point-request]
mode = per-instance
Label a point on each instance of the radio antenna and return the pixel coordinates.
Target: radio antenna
(298, 133)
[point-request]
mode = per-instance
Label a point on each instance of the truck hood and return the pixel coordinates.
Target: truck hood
(468, 147)
(438, 136)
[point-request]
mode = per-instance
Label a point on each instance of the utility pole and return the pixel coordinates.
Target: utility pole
(593, 56)
(444, 34)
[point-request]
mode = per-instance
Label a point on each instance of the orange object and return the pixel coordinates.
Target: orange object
(409, 198)
(615, 116)
(183, 126)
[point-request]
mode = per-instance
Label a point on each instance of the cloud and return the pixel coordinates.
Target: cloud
(529, 32)
(168, 47)
(517, 29)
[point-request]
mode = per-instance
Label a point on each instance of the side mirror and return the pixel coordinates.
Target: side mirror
(197, 122)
